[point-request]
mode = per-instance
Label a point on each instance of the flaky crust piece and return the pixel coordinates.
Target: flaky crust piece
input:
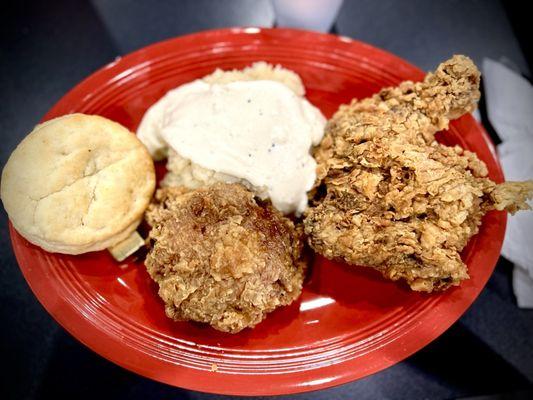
(221, 258)
(388, 196)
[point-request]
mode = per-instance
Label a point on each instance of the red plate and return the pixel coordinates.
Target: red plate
(348, 323)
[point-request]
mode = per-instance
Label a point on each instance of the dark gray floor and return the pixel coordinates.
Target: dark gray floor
(49, 46)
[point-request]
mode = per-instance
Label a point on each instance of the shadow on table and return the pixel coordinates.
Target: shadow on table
(460, 360)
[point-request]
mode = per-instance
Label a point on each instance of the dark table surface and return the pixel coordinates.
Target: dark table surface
(49, 46)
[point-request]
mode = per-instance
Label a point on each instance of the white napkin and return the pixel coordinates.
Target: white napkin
(516, 156)
(509, 99)
(523, 287)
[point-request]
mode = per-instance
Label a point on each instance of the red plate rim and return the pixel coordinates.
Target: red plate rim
(417, 336)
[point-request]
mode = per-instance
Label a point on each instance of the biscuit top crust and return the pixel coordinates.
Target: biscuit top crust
(76, 180)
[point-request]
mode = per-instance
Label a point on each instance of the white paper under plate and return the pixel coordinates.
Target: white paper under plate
(509, 98)
(517, 163)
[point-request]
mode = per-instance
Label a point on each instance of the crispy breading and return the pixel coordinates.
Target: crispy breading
(221, 258)
(388, 196)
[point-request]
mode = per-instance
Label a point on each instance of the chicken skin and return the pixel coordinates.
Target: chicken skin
(221, 258)
(388, 196)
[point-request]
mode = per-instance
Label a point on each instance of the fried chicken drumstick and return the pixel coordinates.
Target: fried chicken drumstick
(388, 196)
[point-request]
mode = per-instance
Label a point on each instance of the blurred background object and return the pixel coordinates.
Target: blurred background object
(315, 15)
(48, 47)
(422, 32)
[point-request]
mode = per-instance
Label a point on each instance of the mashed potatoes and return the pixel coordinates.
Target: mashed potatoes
(251, 126)
(183, 172)
(259, 71)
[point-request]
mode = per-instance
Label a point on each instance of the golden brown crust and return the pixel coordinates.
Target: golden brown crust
(220, 258)
(512, 196)
(390, 197)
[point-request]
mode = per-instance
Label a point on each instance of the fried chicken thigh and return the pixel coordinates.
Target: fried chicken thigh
(388, 196)
(221, 258)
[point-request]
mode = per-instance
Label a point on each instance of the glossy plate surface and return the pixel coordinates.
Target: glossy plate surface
(348, 323)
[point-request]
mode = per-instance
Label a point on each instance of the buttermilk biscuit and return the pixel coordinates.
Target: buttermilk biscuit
(77, 183)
